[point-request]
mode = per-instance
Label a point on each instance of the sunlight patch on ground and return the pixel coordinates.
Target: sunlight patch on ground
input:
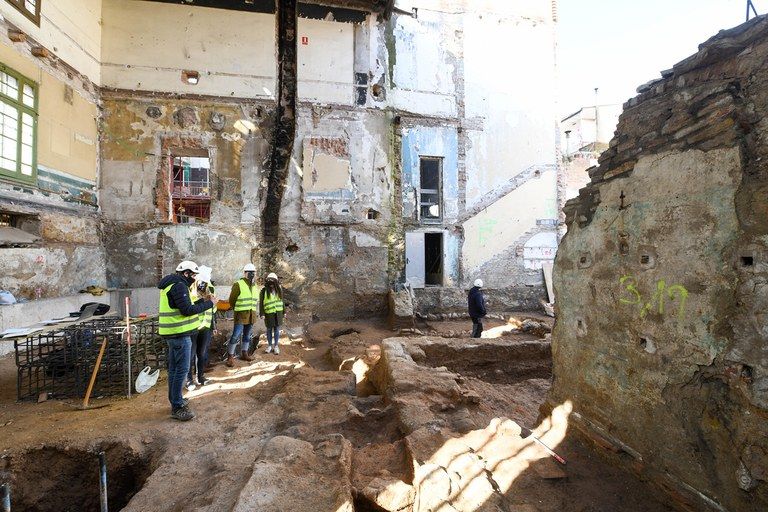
(243, 378)
(468, 471)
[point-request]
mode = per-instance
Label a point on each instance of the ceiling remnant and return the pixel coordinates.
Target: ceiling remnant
(349, 11)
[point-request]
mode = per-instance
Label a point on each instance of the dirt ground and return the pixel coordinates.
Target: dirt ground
(249, 421)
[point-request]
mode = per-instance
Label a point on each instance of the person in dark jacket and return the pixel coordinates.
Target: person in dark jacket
(178, 322)
(272, 308)
(476, 305)
(201, 343)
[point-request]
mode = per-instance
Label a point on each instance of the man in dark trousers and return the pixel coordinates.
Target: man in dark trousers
(476, 305)
(178, 322)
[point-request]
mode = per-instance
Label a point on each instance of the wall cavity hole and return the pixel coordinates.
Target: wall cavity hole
(645, 259)
(747, 261)
(746, 373)
(647, 344)
(190, 77)
(373, 214)
(583, 260)
(581, 327)
(377, 91)
(292, 248)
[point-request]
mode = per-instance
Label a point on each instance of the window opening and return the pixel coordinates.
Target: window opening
(191, 189)
(433, 259)
(18, 125)
(29, 8)
(430, 195)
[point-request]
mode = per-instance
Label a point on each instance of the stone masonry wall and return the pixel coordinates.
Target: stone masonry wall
(661, 281)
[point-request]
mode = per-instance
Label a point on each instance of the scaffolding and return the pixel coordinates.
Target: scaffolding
(59, 362)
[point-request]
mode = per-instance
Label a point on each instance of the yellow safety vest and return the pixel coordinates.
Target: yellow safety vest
(272, 303)
(206, 317)
(246, 301)
(171, 320)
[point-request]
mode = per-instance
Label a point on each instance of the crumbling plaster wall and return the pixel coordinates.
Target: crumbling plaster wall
(333, 257)
(495, 125)
(660, 281)
(138, 135)
(145, 46)
(62, 199)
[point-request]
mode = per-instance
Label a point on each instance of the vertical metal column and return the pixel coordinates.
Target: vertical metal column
(6, 491)
(103, 482)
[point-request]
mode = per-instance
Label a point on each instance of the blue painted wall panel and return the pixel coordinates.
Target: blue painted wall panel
(430, 141)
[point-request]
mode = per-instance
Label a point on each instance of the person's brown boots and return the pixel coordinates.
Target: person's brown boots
(230, 360)
(245, 357)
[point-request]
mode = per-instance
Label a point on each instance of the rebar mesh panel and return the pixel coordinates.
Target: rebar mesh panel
(60, 362)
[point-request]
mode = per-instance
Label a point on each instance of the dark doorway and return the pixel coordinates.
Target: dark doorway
(433, 259)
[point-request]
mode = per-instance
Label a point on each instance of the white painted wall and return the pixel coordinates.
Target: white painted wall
(582, 127)
(502, 224)
(509, 85)
(146, 46)
(71, 29)
(423, 70)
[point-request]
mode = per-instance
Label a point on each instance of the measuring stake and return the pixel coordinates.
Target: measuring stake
(128, 341)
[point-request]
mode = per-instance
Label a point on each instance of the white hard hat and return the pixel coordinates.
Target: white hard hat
(272, 275)
(204, 275)
(479, 283)
(187, 265)
(249, 268)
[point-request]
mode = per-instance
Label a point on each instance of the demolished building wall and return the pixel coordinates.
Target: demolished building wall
(176, 84)
(48, 189)
(660, 334)
(493, 128)
(342, 245)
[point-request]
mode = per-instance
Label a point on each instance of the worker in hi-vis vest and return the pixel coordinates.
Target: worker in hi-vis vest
(178, 322)
(272, 308)
(201, 343)
(242, 299)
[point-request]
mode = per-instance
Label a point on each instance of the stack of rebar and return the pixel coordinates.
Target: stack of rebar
(60, 362)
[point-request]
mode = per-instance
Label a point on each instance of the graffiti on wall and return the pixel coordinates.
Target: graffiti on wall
(485, 231)
(664, 300)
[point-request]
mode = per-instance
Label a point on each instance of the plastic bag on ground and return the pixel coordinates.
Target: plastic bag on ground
(146, 379)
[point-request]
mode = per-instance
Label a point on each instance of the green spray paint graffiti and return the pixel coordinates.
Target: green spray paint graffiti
(633, 297)
(485, 231)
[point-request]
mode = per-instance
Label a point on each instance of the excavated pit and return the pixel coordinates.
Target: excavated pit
(66, 479)
(497, 363)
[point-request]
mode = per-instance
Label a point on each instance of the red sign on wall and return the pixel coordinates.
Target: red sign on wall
(304, 40)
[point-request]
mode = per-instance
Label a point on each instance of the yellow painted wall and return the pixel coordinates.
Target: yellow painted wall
(66, 134)
(71, 29)
(500, 225)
